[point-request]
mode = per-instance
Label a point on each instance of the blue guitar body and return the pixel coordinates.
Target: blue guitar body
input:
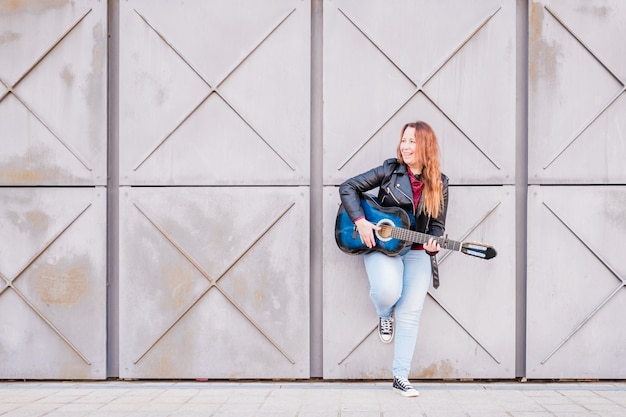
(395, 236)
(349, 241)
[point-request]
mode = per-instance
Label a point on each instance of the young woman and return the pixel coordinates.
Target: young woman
(399, 284)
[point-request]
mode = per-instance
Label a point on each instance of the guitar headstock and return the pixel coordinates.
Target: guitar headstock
(479, 250)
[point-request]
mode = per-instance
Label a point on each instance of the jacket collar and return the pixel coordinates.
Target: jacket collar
(400, 169)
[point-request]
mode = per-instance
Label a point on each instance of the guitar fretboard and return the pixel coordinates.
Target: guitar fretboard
(417, 237)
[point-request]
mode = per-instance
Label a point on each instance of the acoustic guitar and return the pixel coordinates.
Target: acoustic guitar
(395, 236)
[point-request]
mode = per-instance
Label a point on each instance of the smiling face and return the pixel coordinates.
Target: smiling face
(409, 150)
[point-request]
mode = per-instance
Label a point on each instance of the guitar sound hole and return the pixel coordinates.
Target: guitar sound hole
(384, 234)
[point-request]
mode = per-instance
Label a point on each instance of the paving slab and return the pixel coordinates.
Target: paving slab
(309, 399)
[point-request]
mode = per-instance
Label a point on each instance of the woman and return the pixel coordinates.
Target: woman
(398, 285)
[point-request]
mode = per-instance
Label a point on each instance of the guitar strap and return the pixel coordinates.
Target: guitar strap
(435, 267)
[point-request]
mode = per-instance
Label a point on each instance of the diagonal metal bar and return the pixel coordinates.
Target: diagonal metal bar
(9, 284)
(585, 127)
(602, 303)
(583, 44)
(174, 323)
(11, 89)
(48, 244)
(357, 345)
(471, 229)
(255, 324)
(378, 47)
(173, 242)
(49, 129)
(605, 66)
(468, 38)
(583, 322)
(243, 119)
(457, 321)
(213, 282)
(419, 86)
(49, 323)
(172, 47)
(8, 91)
(455, 124)
(593, 252)
(382, 125)
(45, 54)
(213, 89)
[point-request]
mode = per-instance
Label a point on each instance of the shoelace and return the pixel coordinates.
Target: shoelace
(404, 383)
(386, 326)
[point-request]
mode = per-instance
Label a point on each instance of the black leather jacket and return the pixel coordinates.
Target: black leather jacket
(394, 184)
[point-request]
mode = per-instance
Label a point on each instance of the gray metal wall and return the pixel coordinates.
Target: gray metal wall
(576, 198)
(53, 169)
(394, 62)
(186, 230)
(216, 258)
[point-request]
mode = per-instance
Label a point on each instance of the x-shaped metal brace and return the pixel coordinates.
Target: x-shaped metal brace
(213, 282)
(12, 87)
(621, 284)
(420, 87)
(10, 284)
(436, 300)
(213, 89)
(606, 106)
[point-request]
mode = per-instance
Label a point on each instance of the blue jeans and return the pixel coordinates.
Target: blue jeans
(399, 285)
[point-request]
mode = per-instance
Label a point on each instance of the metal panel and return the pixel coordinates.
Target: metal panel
(449, 63)
(194, 107)
(53, 93)
(456, 70)
(576, 279)
(577, 86)
(52, 283)
(211, 288)
(468, 324)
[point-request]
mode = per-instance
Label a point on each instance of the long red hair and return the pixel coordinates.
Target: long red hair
(427, 150)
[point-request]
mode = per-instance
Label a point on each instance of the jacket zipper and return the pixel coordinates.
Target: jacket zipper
(404, 194)
(392, 196)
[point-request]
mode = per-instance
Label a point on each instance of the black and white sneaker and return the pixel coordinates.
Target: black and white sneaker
(385, 329)
(403, 385)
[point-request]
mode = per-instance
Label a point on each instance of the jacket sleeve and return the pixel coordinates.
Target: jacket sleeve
(351, 190)
(437, 225)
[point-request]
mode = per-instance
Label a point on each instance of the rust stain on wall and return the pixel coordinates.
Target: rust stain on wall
(6, 37)
(443, 369)
(179, 281)
(30, 169)
(33, 222)
(543, 61)
(37, 220)
(602, 12)
(67, 75)
(18, 175)
(60, 285)
(32, 6)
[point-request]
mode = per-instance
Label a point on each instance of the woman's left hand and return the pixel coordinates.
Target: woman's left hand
(432, 246)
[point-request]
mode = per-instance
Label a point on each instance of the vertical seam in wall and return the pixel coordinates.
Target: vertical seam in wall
(113, 15)
(316, 193)
(521, 187)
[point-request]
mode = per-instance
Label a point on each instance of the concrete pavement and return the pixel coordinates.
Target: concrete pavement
(310, 399)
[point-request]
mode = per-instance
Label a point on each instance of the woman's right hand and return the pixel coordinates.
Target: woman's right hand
(366, 232)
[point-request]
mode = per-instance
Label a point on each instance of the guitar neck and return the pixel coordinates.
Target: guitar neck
(417, 237)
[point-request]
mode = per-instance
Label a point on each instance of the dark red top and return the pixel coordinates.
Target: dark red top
(417, 187)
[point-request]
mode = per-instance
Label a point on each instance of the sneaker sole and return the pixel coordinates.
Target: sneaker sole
(407, 394)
